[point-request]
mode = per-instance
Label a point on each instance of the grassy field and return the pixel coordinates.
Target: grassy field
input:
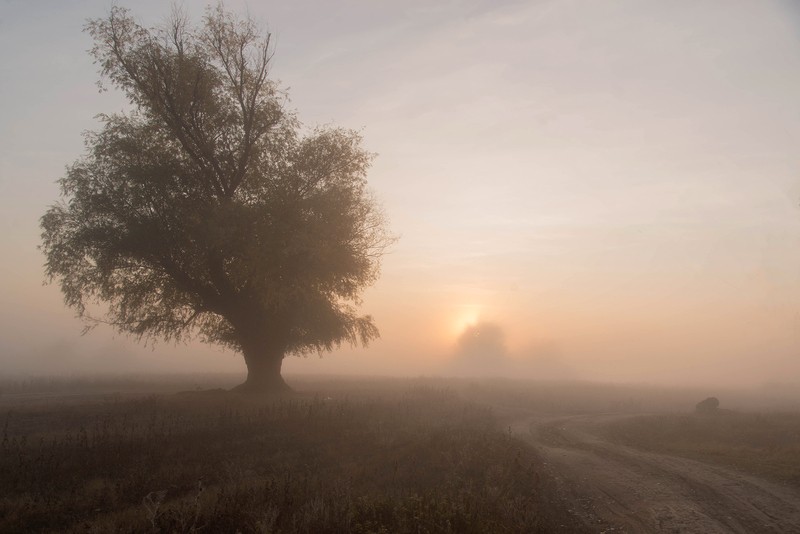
(765, 444)
(357, 457)
(129, 454)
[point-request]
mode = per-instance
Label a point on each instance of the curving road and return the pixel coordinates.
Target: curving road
(615, 488)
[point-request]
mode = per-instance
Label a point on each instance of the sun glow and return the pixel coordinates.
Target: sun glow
(465, 316)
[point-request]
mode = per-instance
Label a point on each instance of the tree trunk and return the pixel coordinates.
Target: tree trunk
(264, 360)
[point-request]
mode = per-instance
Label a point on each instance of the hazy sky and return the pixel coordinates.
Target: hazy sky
(609, 190)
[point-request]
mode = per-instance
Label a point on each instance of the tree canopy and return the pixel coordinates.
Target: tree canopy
(207, 209)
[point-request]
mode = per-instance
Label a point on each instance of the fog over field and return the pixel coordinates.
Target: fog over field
(601, 191)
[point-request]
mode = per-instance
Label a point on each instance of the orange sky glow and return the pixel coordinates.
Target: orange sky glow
(593, 192)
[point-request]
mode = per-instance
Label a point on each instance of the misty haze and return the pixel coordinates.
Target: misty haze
(400, 267)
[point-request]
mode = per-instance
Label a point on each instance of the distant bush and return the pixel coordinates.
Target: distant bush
(709, 405)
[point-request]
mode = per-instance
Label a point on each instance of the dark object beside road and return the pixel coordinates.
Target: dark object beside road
(710, 405)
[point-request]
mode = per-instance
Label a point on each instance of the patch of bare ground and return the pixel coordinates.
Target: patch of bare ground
(617, 488)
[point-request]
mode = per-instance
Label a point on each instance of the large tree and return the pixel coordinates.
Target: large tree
(207, 210)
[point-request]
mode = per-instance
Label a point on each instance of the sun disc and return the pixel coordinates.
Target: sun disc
(466, 315)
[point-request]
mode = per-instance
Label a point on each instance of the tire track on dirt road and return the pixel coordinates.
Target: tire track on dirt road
(614, 488)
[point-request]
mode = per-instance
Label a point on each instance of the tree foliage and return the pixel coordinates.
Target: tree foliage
(207, 209)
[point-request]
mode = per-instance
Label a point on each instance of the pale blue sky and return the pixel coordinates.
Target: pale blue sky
(619, 180)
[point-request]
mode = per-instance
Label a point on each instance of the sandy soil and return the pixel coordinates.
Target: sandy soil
(620, 489)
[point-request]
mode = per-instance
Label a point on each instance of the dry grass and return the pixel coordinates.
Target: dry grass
(413, 459)
(765, 444)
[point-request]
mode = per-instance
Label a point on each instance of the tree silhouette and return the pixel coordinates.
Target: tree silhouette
(208, 210)
(481, 349)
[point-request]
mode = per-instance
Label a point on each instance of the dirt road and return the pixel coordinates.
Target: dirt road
(619, 489)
